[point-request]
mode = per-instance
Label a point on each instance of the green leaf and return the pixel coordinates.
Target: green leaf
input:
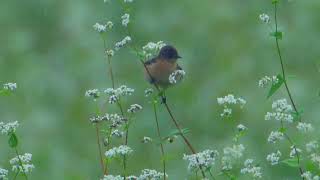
(275, 1)
(283, 130)
(292, 162)
(5, 92)
(177, 132)
(275, 86)
(297, 115)
(277, 35)
(13, 140)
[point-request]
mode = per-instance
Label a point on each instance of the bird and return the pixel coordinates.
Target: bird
(159, 68)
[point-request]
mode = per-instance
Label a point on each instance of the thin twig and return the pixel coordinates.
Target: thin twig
(104, 169)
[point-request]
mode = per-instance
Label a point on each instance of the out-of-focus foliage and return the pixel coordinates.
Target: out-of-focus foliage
(51, 51)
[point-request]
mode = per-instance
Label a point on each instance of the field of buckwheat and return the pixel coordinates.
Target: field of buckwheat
(97, 90)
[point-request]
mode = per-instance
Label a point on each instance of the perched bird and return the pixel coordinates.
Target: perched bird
(159, 68)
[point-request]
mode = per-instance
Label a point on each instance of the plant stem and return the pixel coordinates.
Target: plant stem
(160, 138)
(104, 169)
(20, 162)
(281, 62)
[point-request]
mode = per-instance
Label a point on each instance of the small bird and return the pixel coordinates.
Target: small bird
(159, 68)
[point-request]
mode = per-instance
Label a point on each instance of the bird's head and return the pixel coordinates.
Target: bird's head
(169, 53)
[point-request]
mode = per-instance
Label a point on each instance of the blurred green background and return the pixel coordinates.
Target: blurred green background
(51, 50)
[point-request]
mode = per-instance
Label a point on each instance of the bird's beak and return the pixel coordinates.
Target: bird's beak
(178, 57)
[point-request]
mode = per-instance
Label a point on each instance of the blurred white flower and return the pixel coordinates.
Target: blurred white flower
(115, 94)
(122, 43)
(152, 49)
(264, 18)
(26, 167)
(128, 1)
(117, 133)
(315, 159)
(228, 100)
(146, 140)
(100, 28)
(134, 108)
(282, 111)
(274, 158)
(109, 52)
(312, 146)
(111, 177)
(7, 128)
(125, 19)
(309, 176)
(94, 93)
(150, 174)
(204, 159)
(294, 151)
(10, 86)
(263, 82)
(118, 151)
(230, 155)
(304, 127)
(3, 174)
(241, 127)
(176, 76)
(115, 120)
(250, 168)
(148, 92)
(275, 136)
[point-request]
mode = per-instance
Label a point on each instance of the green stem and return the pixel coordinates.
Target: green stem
(20, 163)
(160, 138)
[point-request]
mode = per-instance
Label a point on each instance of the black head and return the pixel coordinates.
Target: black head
(169, 52)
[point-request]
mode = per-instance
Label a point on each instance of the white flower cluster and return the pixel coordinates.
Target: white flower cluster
(148, 92)
(117, 133)
(204, 159)
(263, 82)
(7, 128)
(176, 76)
(110, 53)
(309, 176)
(10, 86)
(228, 100)
(230, 154)
(26, 167)
(114, 94)
(100, 28)
(3, 174)
(118, 151)
(274, 158)
(304, 127)
(264, 18)
(312, 146)
(241, 128)
(134, 108)
(250, 168)
(146, 140)
(152, 48)
(315, 159)
(122, 43)
(294, 151)
(128, 1)
(150, 174)
(275, 136)
(111, 177)
(282, 111)
(125, 19)
(94, 93)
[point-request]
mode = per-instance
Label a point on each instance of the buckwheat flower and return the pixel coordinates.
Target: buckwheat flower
(146, 140)
(111, 177)
(294, 151)
(134, 108)
(250, 168)
(274, 158)
(150, 174)
(312, 146)
(113, 99)
(275, 136)
(282, 105)
(94, 93)
(282, 111)
(307, 175)
(3, 174)
(204, 159)
(176, 76)
(152, 48)
(148, 92)
(118, 151)
(226, 112)
(109, 52)
(109, 25)
(128, 1)
(100, 28)
(315, 159)
(264, 18)
(117, 133)
(122, 43)
(115, 120)
(125, 19)
(241, 127)
(304, 127)
(263, 82)
(7, 128)
(10, 86)
(114, 94)
(95, 119)
(236, 151)
(26, 167)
